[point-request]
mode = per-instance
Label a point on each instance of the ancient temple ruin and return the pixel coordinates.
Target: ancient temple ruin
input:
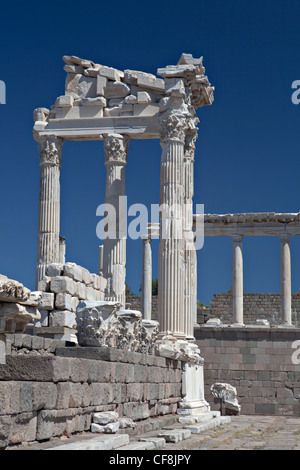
(113, 106)
(74, 343)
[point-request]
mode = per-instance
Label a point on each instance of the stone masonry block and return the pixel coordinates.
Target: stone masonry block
(63, 284)
(63, 301)
(73, 271)
(54, 269)
(62, 318)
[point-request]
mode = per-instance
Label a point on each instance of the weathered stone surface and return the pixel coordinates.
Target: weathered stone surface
(130, 99)
(73, 69)
(143, 97)
(111, 73)
(65, 101)
(62, 318)
(41, 300)
(63, 284)
(105, 417)
(95, 320)
(54, 269)
(80, 86)
(74, 60)
(174, 86)
(126, 423)
(63, 301)
(145, 109)
(15, 317)
(131, 76)
(73, 271)
(228, 395)
(12, 291)
(156, 84)
(116, 90)
(98, 101)
(101, 84)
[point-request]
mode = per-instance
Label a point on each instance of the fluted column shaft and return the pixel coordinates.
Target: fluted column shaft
(49, 204)
(147, 279)
(237, 280)
(190, 254)
(286, 289)
(114, 247)
(171, 247)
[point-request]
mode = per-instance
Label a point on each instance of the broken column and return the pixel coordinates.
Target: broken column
(49, 204)
(114, 251)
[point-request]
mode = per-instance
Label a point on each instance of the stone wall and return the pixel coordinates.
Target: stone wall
(258, 362)
(135, 303)
(256, 306)
(51, 390)
(66, 285)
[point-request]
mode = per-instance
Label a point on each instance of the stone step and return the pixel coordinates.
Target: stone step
(199, 418)
(138, 445)
(175, 435)
(101, 442)
(197, 428)
(159, 442)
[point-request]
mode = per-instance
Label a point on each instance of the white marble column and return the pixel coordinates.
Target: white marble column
(171, 247)
(114, 248)
(286, 290)
(237, 281)
(49, 203)
(147, 279)
(100, 267)
(190, 255)
(62, 250)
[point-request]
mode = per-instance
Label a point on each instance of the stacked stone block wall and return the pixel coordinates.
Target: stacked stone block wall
(66, 285)
(134, 302)
(258, 362)
(256, 306)
(58, 392)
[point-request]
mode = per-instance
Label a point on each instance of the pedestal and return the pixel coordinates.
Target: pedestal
(193, 401)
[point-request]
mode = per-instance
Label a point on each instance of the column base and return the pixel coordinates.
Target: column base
(193, 402)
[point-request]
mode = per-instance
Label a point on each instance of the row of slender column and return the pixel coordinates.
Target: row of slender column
(237, 281)
(177, 271)
(177, 256)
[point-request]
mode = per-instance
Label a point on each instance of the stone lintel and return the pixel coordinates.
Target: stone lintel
(251, 224)
(136, 127)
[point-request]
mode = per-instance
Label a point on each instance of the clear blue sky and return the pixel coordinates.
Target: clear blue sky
(247, 156)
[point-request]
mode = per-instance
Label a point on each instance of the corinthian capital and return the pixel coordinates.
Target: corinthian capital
(116, 148)
(189, 145)
(173, 126)
(50, 150)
